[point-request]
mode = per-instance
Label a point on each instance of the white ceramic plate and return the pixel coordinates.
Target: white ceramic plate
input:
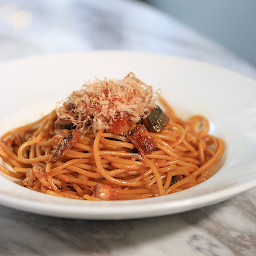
(30, 88)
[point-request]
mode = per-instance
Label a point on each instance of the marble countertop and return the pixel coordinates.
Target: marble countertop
(30, 28)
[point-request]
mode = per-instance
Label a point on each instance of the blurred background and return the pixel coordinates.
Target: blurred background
(191, 29)
(231, 23)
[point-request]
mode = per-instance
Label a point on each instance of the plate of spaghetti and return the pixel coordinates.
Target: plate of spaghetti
(117, 135)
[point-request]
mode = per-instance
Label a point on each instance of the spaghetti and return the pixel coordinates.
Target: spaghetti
(70, 153)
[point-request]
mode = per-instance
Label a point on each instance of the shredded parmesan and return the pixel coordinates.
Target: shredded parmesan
(99, 103)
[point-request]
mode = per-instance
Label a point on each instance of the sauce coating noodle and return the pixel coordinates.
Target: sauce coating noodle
(185, 154)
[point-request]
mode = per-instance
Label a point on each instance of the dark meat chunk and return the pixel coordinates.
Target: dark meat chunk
(65, 145)
(63, 124)
(157, 120)
(176, 178)
(142, 140)
(120, 126)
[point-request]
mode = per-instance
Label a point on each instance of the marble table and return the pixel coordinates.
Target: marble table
(47, 27)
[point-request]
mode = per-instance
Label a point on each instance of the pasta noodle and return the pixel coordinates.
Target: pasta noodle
(184, 155)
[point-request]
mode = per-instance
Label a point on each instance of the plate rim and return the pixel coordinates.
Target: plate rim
(215, 196)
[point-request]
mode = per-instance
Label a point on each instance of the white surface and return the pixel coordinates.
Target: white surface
(227, 99)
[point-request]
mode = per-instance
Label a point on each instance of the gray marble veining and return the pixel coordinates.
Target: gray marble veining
(227, 228)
